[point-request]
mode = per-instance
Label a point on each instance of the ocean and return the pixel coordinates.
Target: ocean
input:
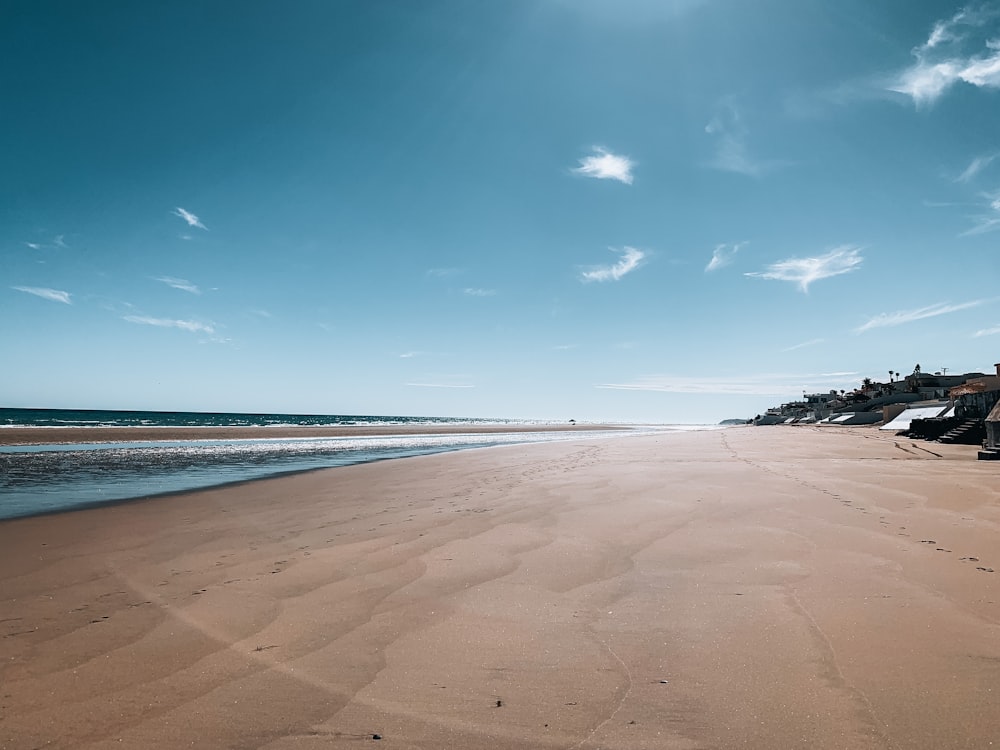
(47, 478)
(106, 418)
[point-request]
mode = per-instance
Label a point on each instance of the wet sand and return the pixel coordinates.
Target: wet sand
(795, 587)
(65, 435)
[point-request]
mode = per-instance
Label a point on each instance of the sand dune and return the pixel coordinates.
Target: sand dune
(753, 588)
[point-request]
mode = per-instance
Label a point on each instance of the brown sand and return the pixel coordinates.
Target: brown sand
(755, 587)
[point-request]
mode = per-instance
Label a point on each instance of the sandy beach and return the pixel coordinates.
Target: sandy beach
(796, 587)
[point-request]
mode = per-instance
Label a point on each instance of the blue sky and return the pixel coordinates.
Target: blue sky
(669, 211)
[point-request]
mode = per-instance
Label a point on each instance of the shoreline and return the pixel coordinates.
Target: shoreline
(10, 436)
(761, 589)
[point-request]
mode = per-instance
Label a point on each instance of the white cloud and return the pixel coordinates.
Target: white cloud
(33, 245)
(59, 241)
(987, 332)
(185, 325)
(190, 218)
(732, 154)
(565, 347)
(443, 273)
(182, 284)
(976, 166)
(803, 345)
(983, 225)
(437, 385)
(479, 292)
(723, 255)
(805, 271)
(631, 259)
(957, 51)
(604, 165)
(769, 384)
(989, 219)
(45, 293)
(884, 320)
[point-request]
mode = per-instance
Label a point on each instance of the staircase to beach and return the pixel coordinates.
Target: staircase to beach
(968, 432)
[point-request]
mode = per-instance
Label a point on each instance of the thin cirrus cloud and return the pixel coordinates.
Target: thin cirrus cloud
(732, 152)
(977, 165)
(190, 218)
(56, 295)
(443, 273)
(631, 259)
(961, 49)
(806, 271)
(803, 345)
(438, 385)
(987, 332)
(770, 384)
(470, 292)
(723, 255)
(901, 317)
(604, 165)
(183, 284)
(989, 219)
(192, 326)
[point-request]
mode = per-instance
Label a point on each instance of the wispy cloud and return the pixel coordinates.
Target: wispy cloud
(469, 291)
(190, 218)
(604, 165)
(989, 219)
(901, 317)
(183, 284)
(443, 273)
(437, 385)
(631, 260)
(732, 152)
(58, 241)
(767, 384)
(723, 255)
(961, 49)
(565, 347)
(803, 345)
(45, 293)
(805, 271)
(185, 325)
(976, 166)
(987, 332)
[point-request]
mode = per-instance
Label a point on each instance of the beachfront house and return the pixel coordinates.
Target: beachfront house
(991, 446)
(977, 396)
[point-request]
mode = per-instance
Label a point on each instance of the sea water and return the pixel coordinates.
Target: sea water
(117, 418)
(38, 479)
